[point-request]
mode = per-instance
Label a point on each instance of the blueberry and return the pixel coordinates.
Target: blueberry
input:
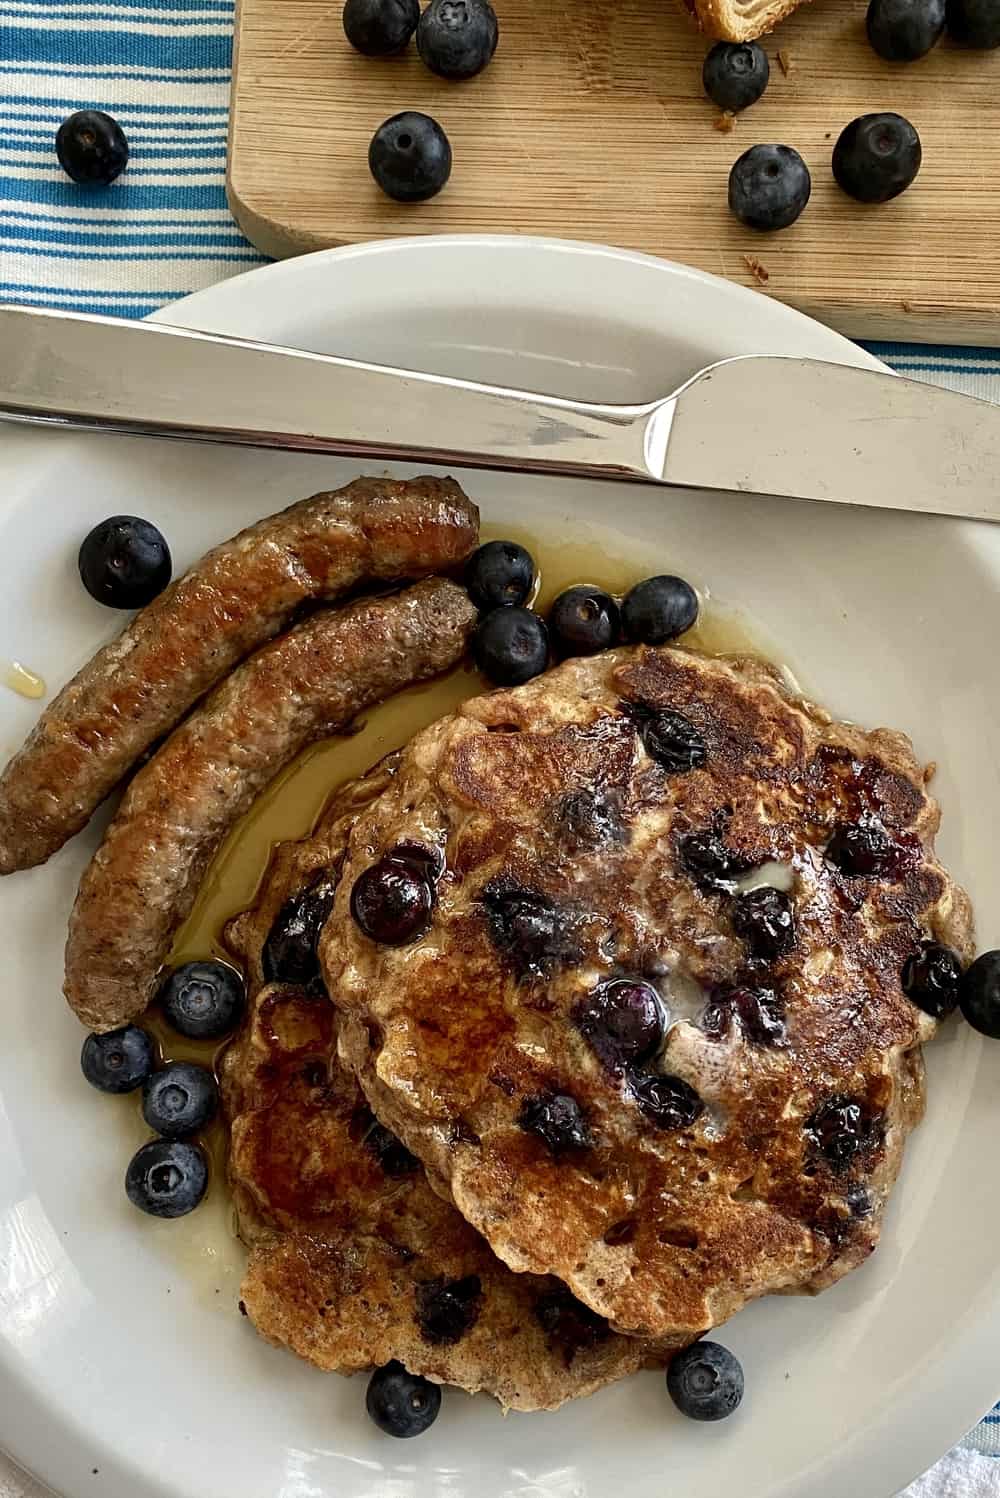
(124, 562)
(447, 1309)
(624, 1020)
(410, 157)
(119, 1061)
(92, 149)
(380, 27)
(658, 609)
(840, 1128)
(877, 157)
(712, 864)
(289, 954)
(531, 932)
(167, 1177)
(402, 1404)
(499, 575)
(180, 1099)
(974, 23)
(903, 30)
(583, 620)
(586, 820)
(390, 1152)
(758, 1012)
(568, 1323)
(667, 1101)
(392, 902)
(203, 1000)
(768, 187)
(980, 994)
(705, 1381)
(863, 850)
(735, 75)
(672, 740)
(765, 919)
(457, 38)
(511, 646)
(425, 859)
(557, 1120)
(859, 1200)
(932, 977)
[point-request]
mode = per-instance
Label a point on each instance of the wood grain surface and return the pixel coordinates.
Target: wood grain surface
(591, 124)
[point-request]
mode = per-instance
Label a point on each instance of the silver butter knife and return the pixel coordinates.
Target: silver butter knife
(761, 424)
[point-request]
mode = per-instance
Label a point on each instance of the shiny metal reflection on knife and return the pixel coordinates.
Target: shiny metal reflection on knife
(761, 424)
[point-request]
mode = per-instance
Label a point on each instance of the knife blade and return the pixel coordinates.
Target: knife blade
(761, 424)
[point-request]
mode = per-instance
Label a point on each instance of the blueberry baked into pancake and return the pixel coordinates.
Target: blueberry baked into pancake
(353, 1258)
(640, 1012)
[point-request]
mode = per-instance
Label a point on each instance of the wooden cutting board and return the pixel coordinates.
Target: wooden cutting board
(591, 124)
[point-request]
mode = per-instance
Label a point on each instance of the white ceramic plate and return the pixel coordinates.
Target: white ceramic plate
(124, 1369)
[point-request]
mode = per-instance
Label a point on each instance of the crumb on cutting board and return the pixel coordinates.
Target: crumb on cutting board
(760, 272)
(725, 121)
(784, 60)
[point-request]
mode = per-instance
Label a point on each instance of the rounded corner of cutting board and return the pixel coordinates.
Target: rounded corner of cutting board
(277, 239)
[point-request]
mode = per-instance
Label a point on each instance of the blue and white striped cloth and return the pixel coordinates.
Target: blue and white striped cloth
(162, 68)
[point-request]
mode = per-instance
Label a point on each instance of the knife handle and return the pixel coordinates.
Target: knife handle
(64, 368)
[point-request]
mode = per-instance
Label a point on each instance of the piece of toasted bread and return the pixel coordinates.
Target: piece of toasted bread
(738, 20)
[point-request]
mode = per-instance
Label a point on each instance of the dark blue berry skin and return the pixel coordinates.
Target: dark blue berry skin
(768, 187)
(841, 1128)
(457, 38)
(765, 919)
(667, 1101)
(558, 1122)
(864, 850)
(735, 74)
(91, 147)
(400, 1403)
(380, 27)
(532, 933)
(119, 1061)
(974, 23)
(583, 620)
(624, 1021)
(510, 646)
(392, 902)
(167, 1178)
(932, 979)
(980, 995)
(203, 1000)
(410, 157)
(903, 30)
(658, 609)
(499, 575)
(705, 1381)
(124, 562)
(877, 157)
(672, 740)
(179, 1100)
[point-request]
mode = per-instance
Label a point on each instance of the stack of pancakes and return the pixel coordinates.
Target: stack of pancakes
(435, 1154)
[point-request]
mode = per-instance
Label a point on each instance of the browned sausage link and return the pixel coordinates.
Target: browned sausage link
(142, 881)
(237, 597)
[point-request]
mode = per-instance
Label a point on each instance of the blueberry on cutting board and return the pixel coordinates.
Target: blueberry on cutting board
(378, 28)
(904, 30)
(735, 74)
(877, 157)
(768, 187)
(457, 38)
(974, 23)
(410, 157)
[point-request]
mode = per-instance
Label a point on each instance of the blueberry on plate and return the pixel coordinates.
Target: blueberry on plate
(583, 620)
(167, 1177)
(932, 978)
(119, 1061)
(705, 1381)
(410, 157)
(402, 1404)
(864, 850)
(91, 147)
(392, 902)
(658, 609)
(667, 1101)
(124, 562)
(876, 157)
(673, 740)
(980, 994)
(499, 575)
(203, 1000)
(623, 1019)
(380, 27)
(180, 1099)
(903, 30)
(735, 74)
(974, 23)
(765, 919)
(457, 38)
(768, 187)
(511, 646)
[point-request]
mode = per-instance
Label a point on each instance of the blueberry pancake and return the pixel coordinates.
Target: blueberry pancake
(354, 1259)
(619, 954)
